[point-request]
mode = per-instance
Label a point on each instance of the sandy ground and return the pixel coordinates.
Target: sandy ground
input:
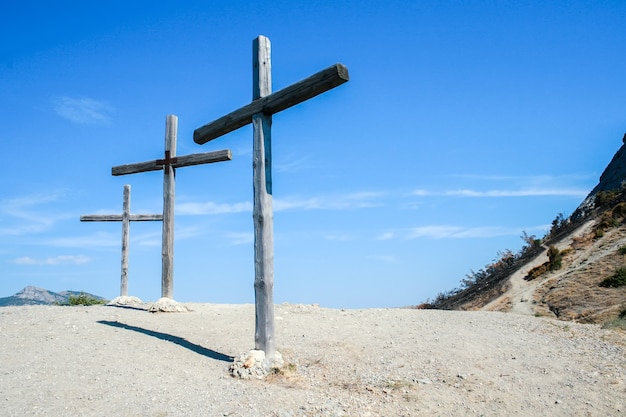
(97, 361)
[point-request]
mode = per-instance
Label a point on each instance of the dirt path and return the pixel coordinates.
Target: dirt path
(95, 361)
(519, 297)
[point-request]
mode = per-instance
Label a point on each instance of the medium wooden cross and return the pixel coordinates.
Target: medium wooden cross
(168, 165)
(259, 112)
(125, 218)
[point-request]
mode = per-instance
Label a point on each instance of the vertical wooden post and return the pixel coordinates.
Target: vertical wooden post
(262, 210)
(125, 240)
(169, 196)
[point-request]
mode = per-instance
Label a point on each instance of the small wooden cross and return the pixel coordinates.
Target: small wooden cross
(125, 218)
(259, 112)
(168, 165)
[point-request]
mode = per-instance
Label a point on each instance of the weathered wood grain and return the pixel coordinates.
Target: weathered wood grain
(118, 217)
(303, 90)
(125, 241)
(203, 158)
(262, 206)
(179, 162)
(169, 196)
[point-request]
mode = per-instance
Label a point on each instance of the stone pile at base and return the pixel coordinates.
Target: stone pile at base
(126, 301)
(253, 364)
(167, 305)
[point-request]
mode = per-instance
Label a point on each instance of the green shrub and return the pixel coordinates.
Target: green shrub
(555, 258)
(622, 250)
(84, 300)
(555, 261)
(618, 279)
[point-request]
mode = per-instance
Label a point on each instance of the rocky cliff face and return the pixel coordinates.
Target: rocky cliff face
(613, 178)
(615, 173)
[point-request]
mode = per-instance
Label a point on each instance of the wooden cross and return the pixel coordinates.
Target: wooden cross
(125, 218)
(259, 112)
(168, 165)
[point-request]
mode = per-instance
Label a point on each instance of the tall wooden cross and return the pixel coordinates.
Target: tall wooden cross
(259, 112)
(125, 218)
(168, 165)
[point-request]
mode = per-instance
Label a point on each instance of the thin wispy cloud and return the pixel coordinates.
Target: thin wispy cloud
(25, 215)
(99, 239)
(107, 239)
(37, 225)
(242, 238)
(291, 163)
(210, 207)
(188, 232)
(527, 192)
(83, 110)
(523, 192)
(525, 178)
(459, 232)
(350, 201)
(356, 200)
(150, 239)
(295, 203)
(386, 236)
(516, 186)
(57, 260)
(20, 203)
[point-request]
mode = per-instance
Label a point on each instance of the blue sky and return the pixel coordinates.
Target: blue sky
(463, 125)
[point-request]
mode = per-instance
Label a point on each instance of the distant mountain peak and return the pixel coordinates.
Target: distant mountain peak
(41, 295)
(32, 295)
(30, 290)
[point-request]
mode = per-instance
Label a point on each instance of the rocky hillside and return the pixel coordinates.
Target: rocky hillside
(577, 272)
(39, 296)
(574, 291)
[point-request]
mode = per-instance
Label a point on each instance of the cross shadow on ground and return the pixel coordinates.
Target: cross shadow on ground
(170, 338)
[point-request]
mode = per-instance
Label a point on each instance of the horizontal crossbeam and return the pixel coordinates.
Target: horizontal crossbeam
(303, 90)
(178, 162)
(118, 217)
